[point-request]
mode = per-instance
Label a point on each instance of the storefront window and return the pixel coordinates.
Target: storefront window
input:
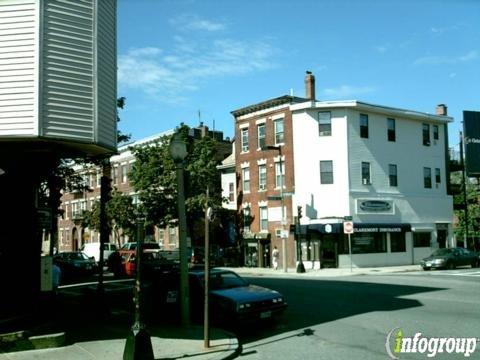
(421, 239)
(366, 243)
(397, 242)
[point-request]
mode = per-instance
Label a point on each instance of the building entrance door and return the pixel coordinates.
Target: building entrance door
(328, 251)
(442, 238)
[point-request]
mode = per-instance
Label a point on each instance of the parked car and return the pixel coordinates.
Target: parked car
(93, 250)
(122, 263)
(233, 301)
(450, 259)
(74, 263)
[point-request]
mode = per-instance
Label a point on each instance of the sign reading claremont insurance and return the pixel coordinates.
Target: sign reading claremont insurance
(375, 206)
(471, 133)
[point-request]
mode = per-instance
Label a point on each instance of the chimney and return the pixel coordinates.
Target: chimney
(310, 86)
(441, 109)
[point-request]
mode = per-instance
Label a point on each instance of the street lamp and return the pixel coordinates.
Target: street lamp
(178, 151)
(138, 344)
(284, 237)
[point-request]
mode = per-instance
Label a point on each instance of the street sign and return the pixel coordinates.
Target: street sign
(274, 198)
(348, 227)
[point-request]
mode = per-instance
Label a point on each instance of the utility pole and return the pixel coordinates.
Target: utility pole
(464, 183)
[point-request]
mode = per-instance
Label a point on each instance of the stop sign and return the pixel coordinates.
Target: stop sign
(348, 227)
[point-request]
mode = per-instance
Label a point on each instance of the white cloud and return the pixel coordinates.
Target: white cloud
(435, 60)
(345, 91)
(194, 22)
(170, 75)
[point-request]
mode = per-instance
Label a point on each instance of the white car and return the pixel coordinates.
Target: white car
(93, 250)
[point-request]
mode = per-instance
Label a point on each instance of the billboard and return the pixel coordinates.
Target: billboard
(471, 134)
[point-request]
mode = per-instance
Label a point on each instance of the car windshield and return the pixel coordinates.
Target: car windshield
(226, 280)
(441, 252)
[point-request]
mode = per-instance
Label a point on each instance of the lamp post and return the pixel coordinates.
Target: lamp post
(138, 344)
(284, 237)
(178, 151)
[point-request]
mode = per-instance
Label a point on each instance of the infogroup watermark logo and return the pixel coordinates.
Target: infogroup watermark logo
(397, 344)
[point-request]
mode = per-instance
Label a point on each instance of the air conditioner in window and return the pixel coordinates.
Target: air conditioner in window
(365, 181)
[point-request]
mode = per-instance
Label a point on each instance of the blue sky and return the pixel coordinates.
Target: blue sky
(179, 57)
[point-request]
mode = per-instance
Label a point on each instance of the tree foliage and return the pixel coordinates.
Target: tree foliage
(120, 212)
(154, 178)
(473, 208)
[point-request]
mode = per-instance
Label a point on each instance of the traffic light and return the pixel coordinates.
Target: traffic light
(299, 212)
(105, 189)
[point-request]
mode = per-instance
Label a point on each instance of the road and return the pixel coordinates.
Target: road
(350, 317)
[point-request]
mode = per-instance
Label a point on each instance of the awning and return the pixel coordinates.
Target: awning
(336, 228)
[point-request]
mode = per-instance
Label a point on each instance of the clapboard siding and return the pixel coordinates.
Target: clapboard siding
(68, 70)
(106, 73)
(18, 67)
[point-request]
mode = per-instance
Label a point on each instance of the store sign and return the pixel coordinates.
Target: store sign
(471, 129)
(381, 228)
(370, 206)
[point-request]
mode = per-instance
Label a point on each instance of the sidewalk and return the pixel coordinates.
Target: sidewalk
(325, 273)
(77, 325)
(167, 343)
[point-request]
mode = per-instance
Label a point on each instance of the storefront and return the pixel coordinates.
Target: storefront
(257, 249)
(372, 244)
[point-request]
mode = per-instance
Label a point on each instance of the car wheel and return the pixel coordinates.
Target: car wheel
(450, 266)
(426, 268)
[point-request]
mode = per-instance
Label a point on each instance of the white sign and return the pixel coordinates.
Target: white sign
(348, 227)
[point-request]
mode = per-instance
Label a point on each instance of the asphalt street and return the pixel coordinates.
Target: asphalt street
(350, 317)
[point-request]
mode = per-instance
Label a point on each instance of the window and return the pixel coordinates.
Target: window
(279, 132)
(365, 243)
(262, 177)
(392, 174)
(435, 132)
(326, 172)
(421, 239)
(426, 134)
(427, 178)
(279, 174)
(437, 176)
(397, 242)
(93, 180)
(99, 178)
(263, 218)
(261, 136)
(391, 129)
(115, 175)
(246, 179)
(172, 236)
(244, 140)
(124, 173)
(364, 126)
(366, 173)
(161, 236)
(324, 123)
(231, 192)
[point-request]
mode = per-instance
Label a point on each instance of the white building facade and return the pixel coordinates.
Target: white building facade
(386, 168)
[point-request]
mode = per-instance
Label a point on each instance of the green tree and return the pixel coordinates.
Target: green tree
(473, 208)
(121, 213)
(154, 178)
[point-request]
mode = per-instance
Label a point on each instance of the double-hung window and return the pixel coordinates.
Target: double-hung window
(364, 126)
(366, 180)
(392, 174)
(426, 134)
(262, 177)
(391, 129)
(435, 132)
(245, 140)
(231, 192)
(324, 123)
(246, 179)
(279, 131)
(326, 172)
(263, 218)
(261, 135)
(280, 174)
(437, 176)
(124, 173)
(427, 178)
